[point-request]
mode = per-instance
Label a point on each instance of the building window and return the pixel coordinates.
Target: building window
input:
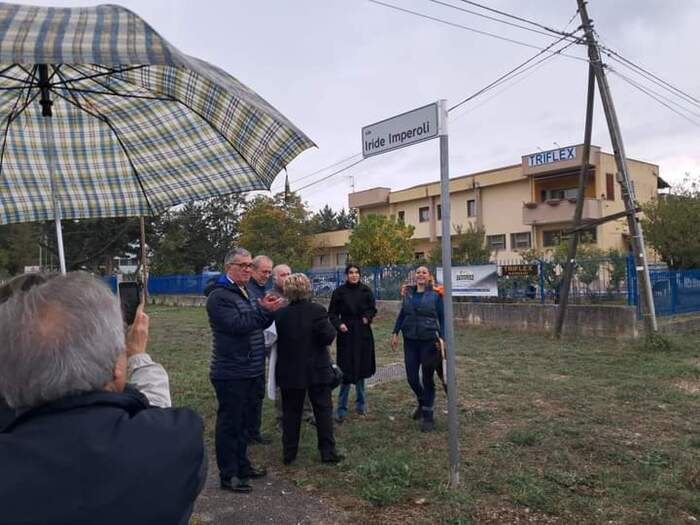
(610, 186)
(323, 260)
(589, 235)
(471, 208)
(558, 194)
(419, 256)
(341, 258)
(439, 212)
(424, 214)
(402, 216)
(520, 241)
(551, 238)
(496, 242)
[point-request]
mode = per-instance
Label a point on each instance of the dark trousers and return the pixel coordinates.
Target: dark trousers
(292, 410)
(253, 414)
(230, 440)
(417, 355)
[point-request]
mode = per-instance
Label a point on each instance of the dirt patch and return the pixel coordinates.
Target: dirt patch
(689, 387)
(506, 513)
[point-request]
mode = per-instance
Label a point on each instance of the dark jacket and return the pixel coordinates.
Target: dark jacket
(355, 348)
(237, 323)
(421, 316)
(6, 414)
(303, 335)
(101, 457)
(257, 290)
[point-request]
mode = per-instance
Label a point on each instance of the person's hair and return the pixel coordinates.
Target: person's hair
(259, 259)
(59, 338)
(236, 252)
(297, 287)
(350, 267)
(277, 269)
(22, 283)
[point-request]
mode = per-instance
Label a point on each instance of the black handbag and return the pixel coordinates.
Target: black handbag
(336, 376)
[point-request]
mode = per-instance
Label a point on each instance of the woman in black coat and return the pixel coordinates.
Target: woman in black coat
(351, 311)
(304, 365)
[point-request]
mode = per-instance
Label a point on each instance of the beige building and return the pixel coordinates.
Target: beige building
(523, 206)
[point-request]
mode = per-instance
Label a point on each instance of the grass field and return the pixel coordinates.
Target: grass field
(577, 431)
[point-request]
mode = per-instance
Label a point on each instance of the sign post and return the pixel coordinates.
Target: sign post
(418, 125)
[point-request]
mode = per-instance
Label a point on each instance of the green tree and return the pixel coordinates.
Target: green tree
(380, 241)
(468, 247)
(19, 247)
(671, 225)
(324, 220)
(347, 220)
(280, 228)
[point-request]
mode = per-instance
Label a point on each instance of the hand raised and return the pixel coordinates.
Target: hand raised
(271, 303)
(343, 328)
(137, 335)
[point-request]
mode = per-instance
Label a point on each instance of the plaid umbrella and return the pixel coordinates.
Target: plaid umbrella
(101, 117)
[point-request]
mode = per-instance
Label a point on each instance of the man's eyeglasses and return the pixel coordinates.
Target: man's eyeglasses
(243, 266)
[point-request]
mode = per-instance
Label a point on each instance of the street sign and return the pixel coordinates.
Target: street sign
(400, 131)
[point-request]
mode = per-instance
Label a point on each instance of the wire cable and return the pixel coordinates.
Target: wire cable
(654, 96)
(476, 13)
(467, 28)
(323, 169)
(329, 176)
(504, 77)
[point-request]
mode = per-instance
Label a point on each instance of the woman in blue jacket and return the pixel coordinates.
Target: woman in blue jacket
(421, 320)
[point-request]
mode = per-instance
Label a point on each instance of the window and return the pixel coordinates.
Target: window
(439, 212)
(589, 235)
(471, 208)
(551, 238)
(423, 214)
(610, 186)
(402, 216)
(341, 258)
(419, 256)
(557, 194)
(323, 260)
(496, 242)
(520, 241)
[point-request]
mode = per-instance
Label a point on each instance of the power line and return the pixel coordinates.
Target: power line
(655, 97)
(515, 17)
(324, 168)
(530, 68)
(467, 28)
(329, 176)
(502, 78)
(650, 76)
(476, 13)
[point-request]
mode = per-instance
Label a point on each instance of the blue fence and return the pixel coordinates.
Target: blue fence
(597, 280)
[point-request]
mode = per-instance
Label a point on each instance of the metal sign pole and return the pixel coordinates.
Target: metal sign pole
(447, 283)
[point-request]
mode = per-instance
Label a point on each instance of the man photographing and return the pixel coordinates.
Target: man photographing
(84, 448)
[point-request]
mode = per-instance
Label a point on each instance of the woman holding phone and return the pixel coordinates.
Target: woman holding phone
(421, 321)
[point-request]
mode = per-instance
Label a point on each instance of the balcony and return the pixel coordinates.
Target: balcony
(560, 210)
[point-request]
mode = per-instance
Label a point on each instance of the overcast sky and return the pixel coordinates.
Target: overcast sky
(333, 66)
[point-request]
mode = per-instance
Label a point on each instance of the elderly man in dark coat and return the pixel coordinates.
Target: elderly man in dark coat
(351, 311)
(84, 447)
(237, 319)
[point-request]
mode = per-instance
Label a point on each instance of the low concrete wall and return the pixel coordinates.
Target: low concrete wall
(608, 321)
(682, 324)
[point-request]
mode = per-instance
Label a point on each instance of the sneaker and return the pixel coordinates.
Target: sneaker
(240, 487)
(332, 457)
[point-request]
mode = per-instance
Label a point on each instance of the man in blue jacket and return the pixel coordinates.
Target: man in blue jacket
(237, 319)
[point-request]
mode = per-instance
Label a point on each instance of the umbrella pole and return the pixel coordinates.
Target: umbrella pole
(48, 140)
(144, 260)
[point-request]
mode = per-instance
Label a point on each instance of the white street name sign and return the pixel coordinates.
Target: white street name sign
(400, 131)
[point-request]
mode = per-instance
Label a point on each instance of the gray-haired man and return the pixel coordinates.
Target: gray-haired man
(82, 438)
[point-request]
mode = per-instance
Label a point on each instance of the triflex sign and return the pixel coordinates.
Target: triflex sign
(551, 157)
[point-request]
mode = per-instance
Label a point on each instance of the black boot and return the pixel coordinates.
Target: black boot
(427, 423)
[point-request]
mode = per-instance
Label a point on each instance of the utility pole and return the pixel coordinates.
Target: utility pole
(573, 239)
(635, 229)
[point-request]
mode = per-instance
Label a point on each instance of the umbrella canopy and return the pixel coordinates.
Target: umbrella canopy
(136, 126)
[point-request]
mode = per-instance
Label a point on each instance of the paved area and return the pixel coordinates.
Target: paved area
(274, 500)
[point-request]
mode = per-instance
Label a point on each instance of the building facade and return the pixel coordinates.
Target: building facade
(520, 207)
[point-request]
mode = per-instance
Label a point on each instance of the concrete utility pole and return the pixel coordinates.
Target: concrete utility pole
(573, 239)
(635, 229)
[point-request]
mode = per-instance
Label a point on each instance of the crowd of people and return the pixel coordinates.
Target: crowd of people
(81, 401)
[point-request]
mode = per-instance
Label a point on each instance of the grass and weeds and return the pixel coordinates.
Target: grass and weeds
(571, 431)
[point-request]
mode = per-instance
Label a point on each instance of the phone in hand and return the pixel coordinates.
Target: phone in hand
(129, 298)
